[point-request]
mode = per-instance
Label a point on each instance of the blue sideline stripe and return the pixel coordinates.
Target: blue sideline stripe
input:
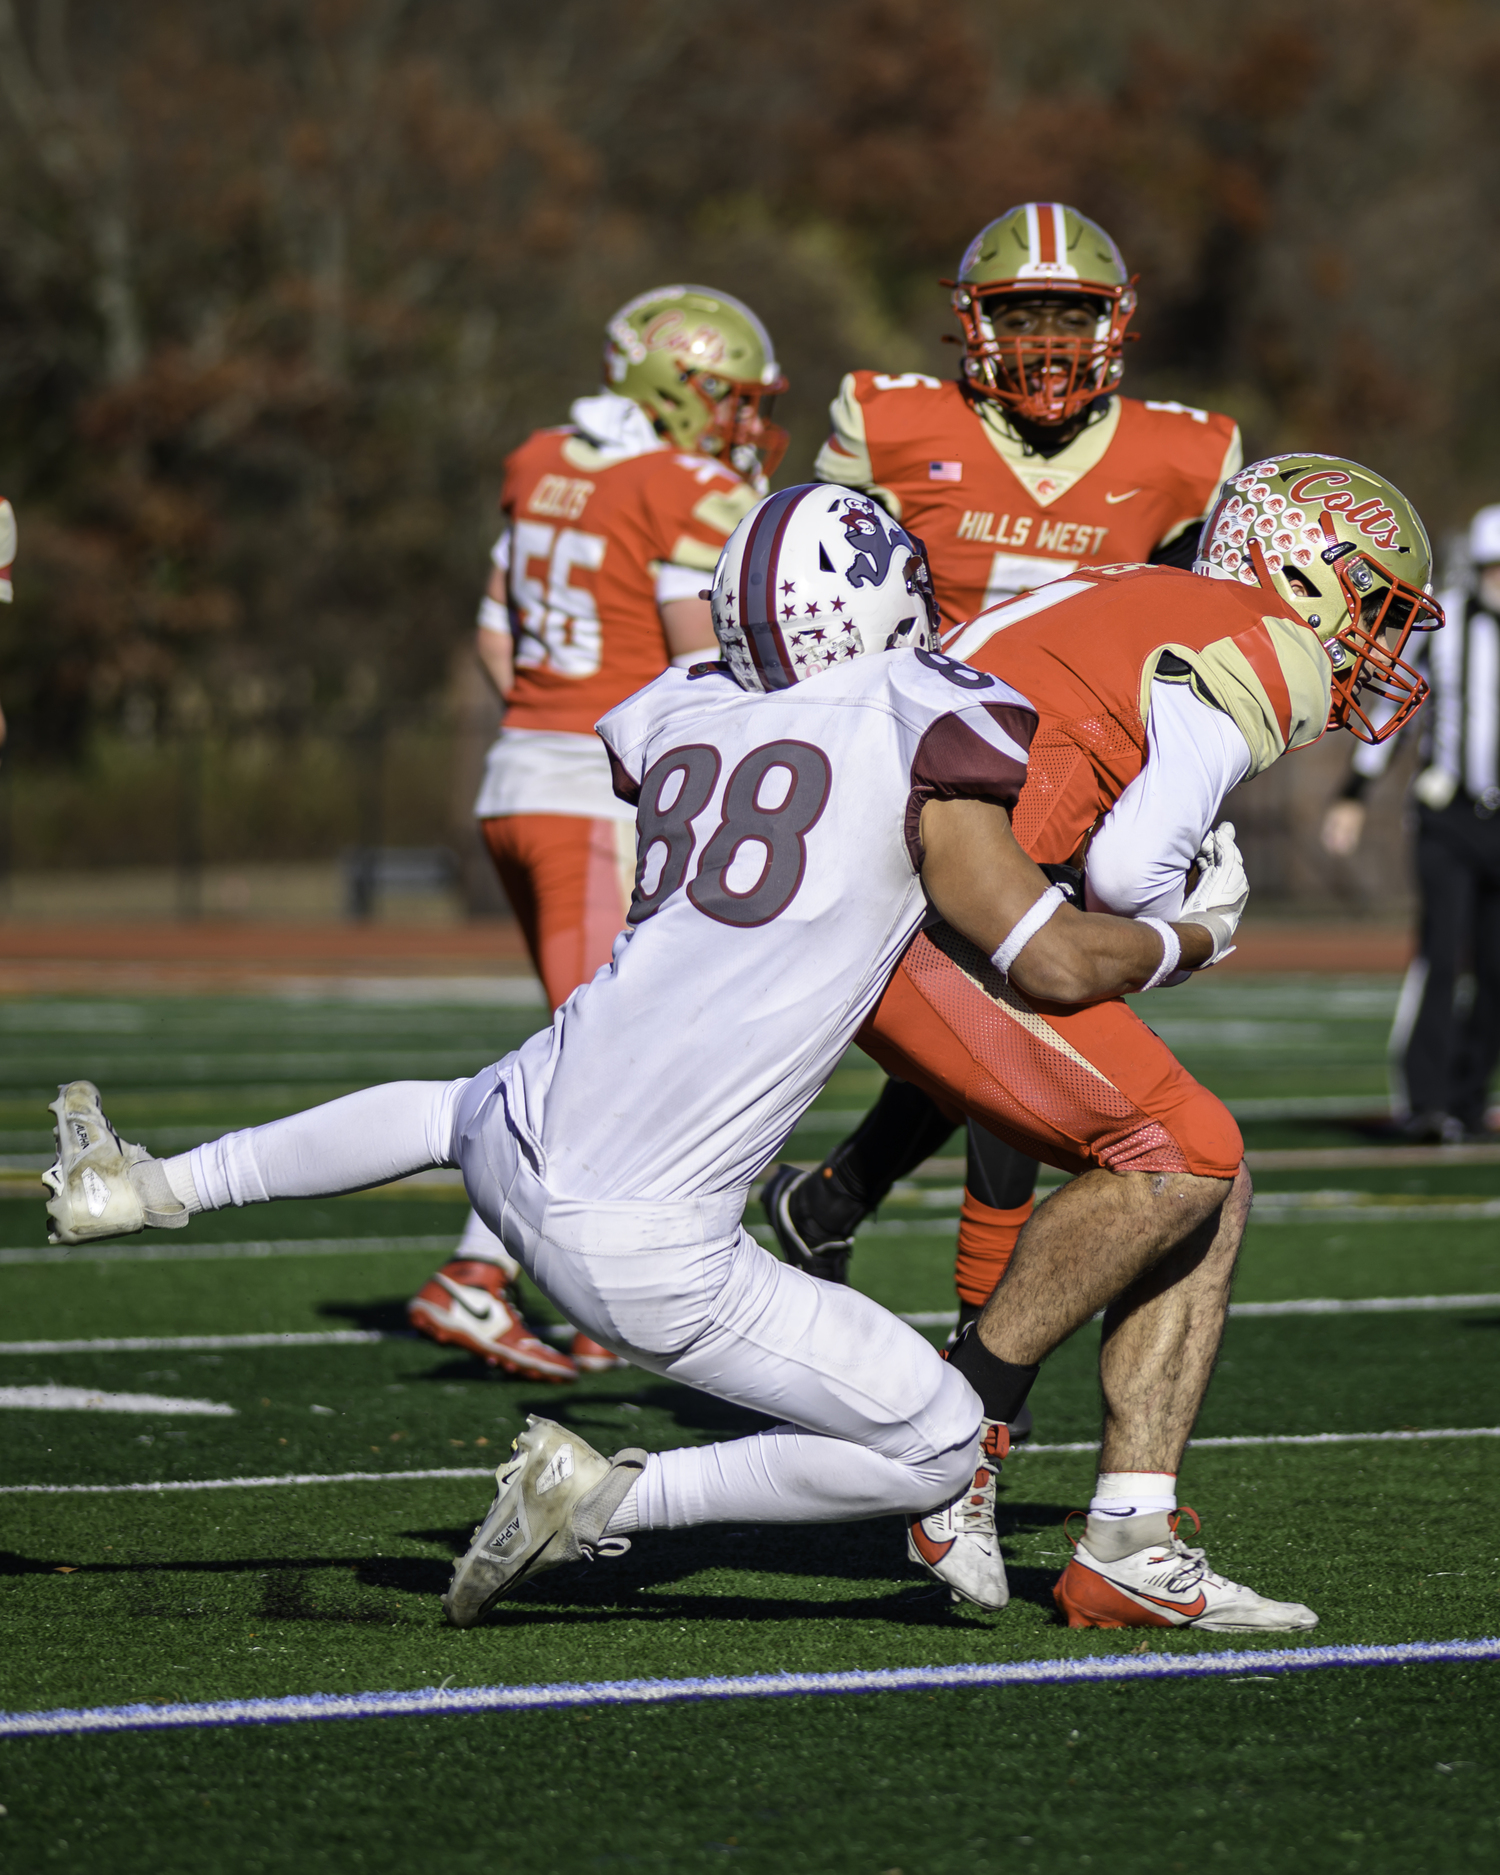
(432, 1699)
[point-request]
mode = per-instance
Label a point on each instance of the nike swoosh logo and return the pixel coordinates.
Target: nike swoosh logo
(480, 1315)
(1113, 499)
(929, 1551)
(1188, 1611)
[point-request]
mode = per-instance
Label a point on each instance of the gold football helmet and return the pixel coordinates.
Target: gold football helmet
(1342, 547)
(700, 364)
(1043, 251)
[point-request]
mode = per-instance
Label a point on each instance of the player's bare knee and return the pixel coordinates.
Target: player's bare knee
(1188, 1195)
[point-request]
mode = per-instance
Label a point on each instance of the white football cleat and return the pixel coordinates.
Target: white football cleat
(1165, 1584)
(93, 1194)
(958, 1543)
(470, 1304)
(555, 1496)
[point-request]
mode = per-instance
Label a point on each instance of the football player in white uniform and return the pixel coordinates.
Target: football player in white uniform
(799, 804)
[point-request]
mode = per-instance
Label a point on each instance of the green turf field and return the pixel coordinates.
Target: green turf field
(192, 1594)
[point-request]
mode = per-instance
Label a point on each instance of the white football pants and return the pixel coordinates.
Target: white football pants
(876, 1421)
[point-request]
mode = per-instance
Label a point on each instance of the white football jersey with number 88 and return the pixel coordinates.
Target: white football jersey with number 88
(777, 885)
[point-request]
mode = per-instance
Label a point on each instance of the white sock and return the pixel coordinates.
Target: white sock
(364, 1139)
(1120, 1494)
(479, 1244)
(625, 1519)
(178, 1173)
(784, 1475)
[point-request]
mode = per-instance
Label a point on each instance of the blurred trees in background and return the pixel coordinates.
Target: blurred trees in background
(281, 283)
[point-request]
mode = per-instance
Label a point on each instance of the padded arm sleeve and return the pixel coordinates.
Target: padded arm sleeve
(1139, 859)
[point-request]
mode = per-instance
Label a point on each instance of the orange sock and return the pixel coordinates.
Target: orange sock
(986, 1238)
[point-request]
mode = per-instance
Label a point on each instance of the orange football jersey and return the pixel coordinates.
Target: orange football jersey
(1084, 653)
(997, 519)
(589, 529)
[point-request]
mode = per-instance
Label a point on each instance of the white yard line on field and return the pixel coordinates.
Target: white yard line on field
(918, 1318)
(1309, 1305)
(52, 1399)
(303, 1707)
(150, 1251)
(153, 1486)
(1312, 1207)
(187, 1344)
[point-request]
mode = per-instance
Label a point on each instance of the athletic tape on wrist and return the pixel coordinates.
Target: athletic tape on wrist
(493, 616)
(1171, 952)
(1022, 933)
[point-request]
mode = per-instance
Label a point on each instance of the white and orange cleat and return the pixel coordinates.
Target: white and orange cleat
(592, 1357)
(1160, 1583)
(469, 1304)
(958, 1543)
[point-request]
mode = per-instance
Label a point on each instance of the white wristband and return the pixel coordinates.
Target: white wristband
(1026, 929)
(1171, 952)
(493, 616)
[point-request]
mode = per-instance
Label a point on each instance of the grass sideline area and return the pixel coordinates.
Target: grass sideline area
(260, 1591)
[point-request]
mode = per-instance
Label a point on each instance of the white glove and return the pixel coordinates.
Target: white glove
(1218, 900)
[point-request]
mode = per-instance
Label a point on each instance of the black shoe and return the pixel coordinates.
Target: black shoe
(827, 1258)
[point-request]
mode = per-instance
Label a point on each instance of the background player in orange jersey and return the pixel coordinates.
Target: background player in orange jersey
(7, 560)
(1026, 466)
(613, 525)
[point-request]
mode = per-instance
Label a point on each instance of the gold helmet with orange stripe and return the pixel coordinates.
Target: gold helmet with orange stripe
(1044, 299)
(1344, 549)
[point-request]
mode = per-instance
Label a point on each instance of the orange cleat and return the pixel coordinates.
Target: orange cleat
(1164, 1584)
(469, 1304)
(592, 1357)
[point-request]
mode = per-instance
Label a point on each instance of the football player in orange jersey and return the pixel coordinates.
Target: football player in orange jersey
(1156, 692)
(7, 560)
(1026, 466)
(613, 525)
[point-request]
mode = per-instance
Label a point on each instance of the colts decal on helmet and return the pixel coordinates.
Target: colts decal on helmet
(1343, 549)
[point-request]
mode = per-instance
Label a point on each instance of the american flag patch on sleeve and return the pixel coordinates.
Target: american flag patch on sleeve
(945, 471)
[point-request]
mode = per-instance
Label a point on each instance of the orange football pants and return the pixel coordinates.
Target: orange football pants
(1074, 1087)
(567, 879)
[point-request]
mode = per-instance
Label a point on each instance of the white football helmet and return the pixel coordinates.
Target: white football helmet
(814, 576)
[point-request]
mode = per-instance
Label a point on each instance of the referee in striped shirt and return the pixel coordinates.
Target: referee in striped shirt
(1444, 1050)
